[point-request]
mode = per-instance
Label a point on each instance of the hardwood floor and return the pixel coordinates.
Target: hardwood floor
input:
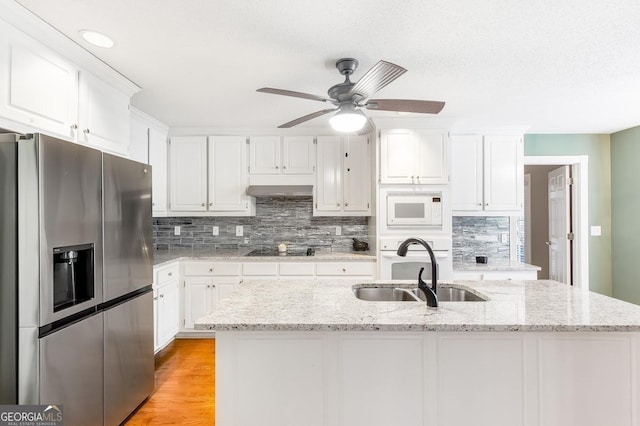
(185, 386)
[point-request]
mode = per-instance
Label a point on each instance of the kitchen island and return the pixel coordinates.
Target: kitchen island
(536, 352)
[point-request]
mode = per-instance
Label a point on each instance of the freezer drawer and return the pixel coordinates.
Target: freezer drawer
(71, 371)
(128, 357)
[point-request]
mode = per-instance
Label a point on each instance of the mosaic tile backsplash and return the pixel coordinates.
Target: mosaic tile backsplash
(277, 219)
(480, 236)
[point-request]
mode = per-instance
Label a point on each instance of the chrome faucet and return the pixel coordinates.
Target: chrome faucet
(431, 293)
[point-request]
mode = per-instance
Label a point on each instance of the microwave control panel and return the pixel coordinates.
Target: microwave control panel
(436, 210)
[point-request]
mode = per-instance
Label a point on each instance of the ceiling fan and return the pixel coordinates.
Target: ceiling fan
(351, 98)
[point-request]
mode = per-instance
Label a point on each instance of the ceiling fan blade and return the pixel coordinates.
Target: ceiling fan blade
(405, 105)
(376, 78)
(305, 118)
(294, 94)
(369, 127)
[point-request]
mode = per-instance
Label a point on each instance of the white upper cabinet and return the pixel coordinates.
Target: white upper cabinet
(40, 91)
(414, 157)
(188, 174)
(264, 155)
(487, 173)
(227, 176)
(298, 155)
(38, 88)
(209, 178)
(159, 177)
(287, 160)
(343, 178)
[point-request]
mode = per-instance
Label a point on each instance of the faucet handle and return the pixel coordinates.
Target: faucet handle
(420, 281)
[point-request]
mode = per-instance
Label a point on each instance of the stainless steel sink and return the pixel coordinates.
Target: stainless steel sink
(398, 294)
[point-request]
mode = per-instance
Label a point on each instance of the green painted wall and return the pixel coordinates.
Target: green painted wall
(598, 149)
(625, 210)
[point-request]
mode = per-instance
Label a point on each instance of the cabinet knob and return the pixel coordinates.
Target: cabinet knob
(213, 286)
(277, 167)
(479, 204)
(170, 273)
(210, 269)
(210, 204)
(202, 204)
(486, 204)
(162, 295)
(74, 127)
(346, 204)
(338, 204)
(284, 167)
(344, 270)
(208, 286)
(86, 131)
(153, 204)
(155, 298)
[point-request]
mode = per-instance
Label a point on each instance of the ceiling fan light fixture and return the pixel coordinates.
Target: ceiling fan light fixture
(348, 119)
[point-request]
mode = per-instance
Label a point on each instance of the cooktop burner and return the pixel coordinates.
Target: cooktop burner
(262, 252)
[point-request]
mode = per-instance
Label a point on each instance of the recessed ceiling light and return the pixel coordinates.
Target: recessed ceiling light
(96, 38)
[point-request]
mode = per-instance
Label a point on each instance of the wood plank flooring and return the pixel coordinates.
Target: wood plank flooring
(185, 386)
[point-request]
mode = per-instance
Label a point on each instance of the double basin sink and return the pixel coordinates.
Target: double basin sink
(399, 294)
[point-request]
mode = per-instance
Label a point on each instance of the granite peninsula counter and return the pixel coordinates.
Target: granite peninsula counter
(292, 353)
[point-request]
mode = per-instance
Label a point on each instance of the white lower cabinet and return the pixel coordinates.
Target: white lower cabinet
(427, 378)
(349, 270)
(166, 305)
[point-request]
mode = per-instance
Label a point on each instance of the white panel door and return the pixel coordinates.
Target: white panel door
(397, 157)
(559, 225)
(103, 117)
(328, 188)
(158, 161)
(227, 176)
(377, 373)
(432, 157)
(39, 88)
(503, 173)
(264, 155)
(587, 381)
(467, 367)
(466, 172)
(198, 299)
(357, 177)
(290, 391)
(298, 155)
(188, 173)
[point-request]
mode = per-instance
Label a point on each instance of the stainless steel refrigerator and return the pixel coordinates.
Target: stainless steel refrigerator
(73, 332)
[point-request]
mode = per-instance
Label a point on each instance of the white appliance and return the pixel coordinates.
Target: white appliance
(415, 209)
(394, 267)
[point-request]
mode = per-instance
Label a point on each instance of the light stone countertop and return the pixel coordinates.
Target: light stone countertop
(494, 265)
(161, 257)
(301, 305)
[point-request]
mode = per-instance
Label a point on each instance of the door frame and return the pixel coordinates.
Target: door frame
(580, 221)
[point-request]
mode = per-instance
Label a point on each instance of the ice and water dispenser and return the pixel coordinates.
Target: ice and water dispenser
(73, 275)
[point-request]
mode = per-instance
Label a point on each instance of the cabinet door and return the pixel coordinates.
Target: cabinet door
(328, 188)
(466, 172)
(103, 117)
(156, 322)
(188, 174)
(223, 288)
(138, 139)
(503, 173)
(298, 155)
(158, 161)
(397, 156)
(227, 176)
(264, 155)
(357, 179)
(198, 299)
(168, 321)
(37, 87)
(432, 157)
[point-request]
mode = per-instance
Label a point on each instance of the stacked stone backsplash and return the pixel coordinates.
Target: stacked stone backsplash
(277, 220)
(480, 236)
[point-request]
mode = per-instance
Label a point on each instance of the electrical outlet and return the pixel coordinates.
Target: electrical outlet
(239, 231)
(338, 230)
(176, 230)
(596, 231)
(215, 230)
(246, 241)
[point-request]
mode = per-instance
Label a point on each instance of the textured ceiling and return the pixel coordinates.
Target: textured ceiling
(565, 66)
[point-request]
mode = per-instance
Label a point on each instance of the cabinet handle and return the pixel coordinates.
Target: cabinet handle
(86, 131)
(170, 273)
(74, 127)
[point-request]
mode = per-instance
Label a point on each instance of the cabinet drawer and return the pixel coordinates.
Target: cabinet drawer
(260, 269)
(211, 268)
(346, 269)
(167, 273)
(297, 268)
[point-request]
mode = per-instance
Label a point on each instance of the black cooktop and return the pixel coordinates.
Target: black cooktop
(263, 252)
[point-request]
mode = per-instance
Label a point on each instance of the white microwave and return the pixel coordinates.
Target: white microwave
(424, 209)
